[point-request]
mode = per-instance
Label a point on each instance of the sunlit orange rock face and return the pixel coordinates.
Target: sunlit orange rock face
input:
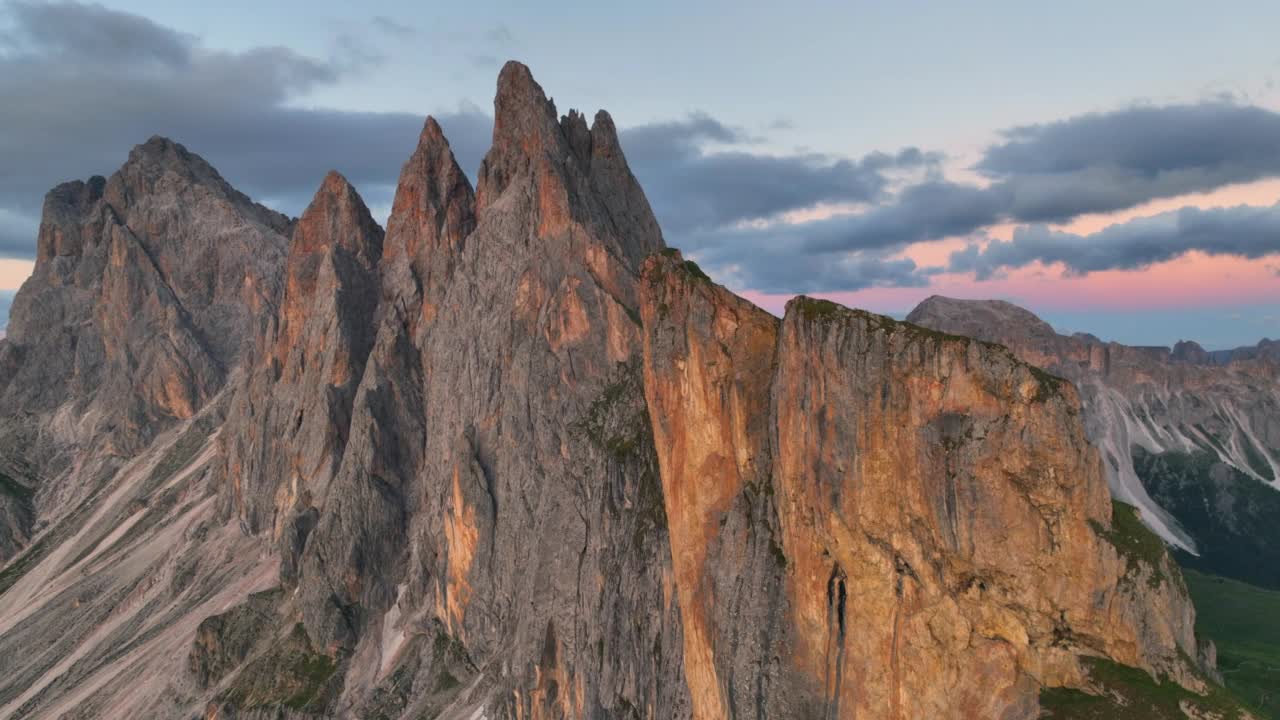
(938, 509)
(1143, 401)
(708, 364)
(515, 459)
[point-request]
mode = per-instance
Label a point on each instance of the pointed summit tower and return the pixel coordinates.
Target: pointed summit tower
(289, 421)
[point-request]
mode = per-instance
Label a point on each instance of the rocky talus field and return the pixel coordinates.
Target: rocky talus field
(513, 458)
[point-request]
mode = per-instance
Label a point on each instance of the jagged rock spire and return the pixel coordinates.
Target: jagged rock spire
(288, 423)
(579, 175)
(526, 136)
(434, 207)
(335, 249)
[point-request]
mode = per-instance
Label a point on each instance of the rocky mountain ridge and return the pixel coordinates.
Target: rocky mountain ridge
(1180, 429)
(513, 458)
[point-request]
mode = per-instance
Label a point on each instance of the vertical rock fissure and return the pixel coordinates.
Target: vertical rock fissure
(837, 599)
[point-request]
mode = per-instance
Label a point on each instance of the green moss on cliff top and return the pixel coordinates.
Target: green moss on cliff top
(1134, 542)
(1127, 693)
(688, 267)
(1049, 385)
(692, 268)
(817, 310)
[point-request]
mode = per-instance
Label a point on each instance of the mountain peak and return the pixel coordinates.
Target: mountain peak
(516, 86)
(431, 132)
(978, 316)
(521, 108)
(434, 205)
(161, 166)
(160, 152)
(65, 208)
(1189, 351)
(604, 134)
(337, 217)
(525, 132)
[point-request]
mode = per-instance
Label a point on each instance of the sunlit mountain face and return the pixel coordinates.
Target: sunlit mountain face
(916, 366)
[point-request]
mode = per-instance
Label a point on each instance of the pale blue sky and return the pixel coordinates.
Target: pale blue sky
(851, 77)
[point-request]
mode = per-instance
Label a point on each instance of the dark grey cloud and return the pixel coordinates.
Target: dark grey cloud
(94, 33)
(1218, 137)
(765, 257)
(926, 211)
(694, 188)
(1111, 161)
(17, 233)
(81, 84)
(1088, 164)
(1244, 231)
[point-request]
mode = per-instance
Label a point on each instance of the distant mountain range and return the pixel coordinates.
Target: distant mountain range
(512, 457)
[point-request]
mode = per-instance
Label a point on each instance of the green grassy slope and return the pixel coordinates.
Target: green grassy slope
(1244, 622)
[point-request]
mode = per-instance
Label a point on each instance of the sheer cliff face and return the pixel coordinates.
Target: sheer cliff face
(513, 459)
(1208, 415)
(941, 518)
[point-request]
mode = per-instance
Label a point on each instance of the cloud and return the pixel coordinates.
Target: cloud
(17, 233)
(1244, 231)
(1036, 174)
(81, 84)
(1110, 161)
(94, 33)
(929, 210)
(695, 187)
(1094, 163)
(767, 258)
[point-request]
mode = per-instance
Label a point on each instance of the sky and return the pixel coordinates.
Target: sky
(1114, 169)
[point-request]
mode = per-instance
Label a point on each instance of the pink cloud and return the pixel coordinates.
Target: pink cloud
(1194, 280)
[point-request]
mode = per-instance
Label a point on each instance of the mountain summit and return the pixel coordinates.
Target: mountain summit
(514, 458)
